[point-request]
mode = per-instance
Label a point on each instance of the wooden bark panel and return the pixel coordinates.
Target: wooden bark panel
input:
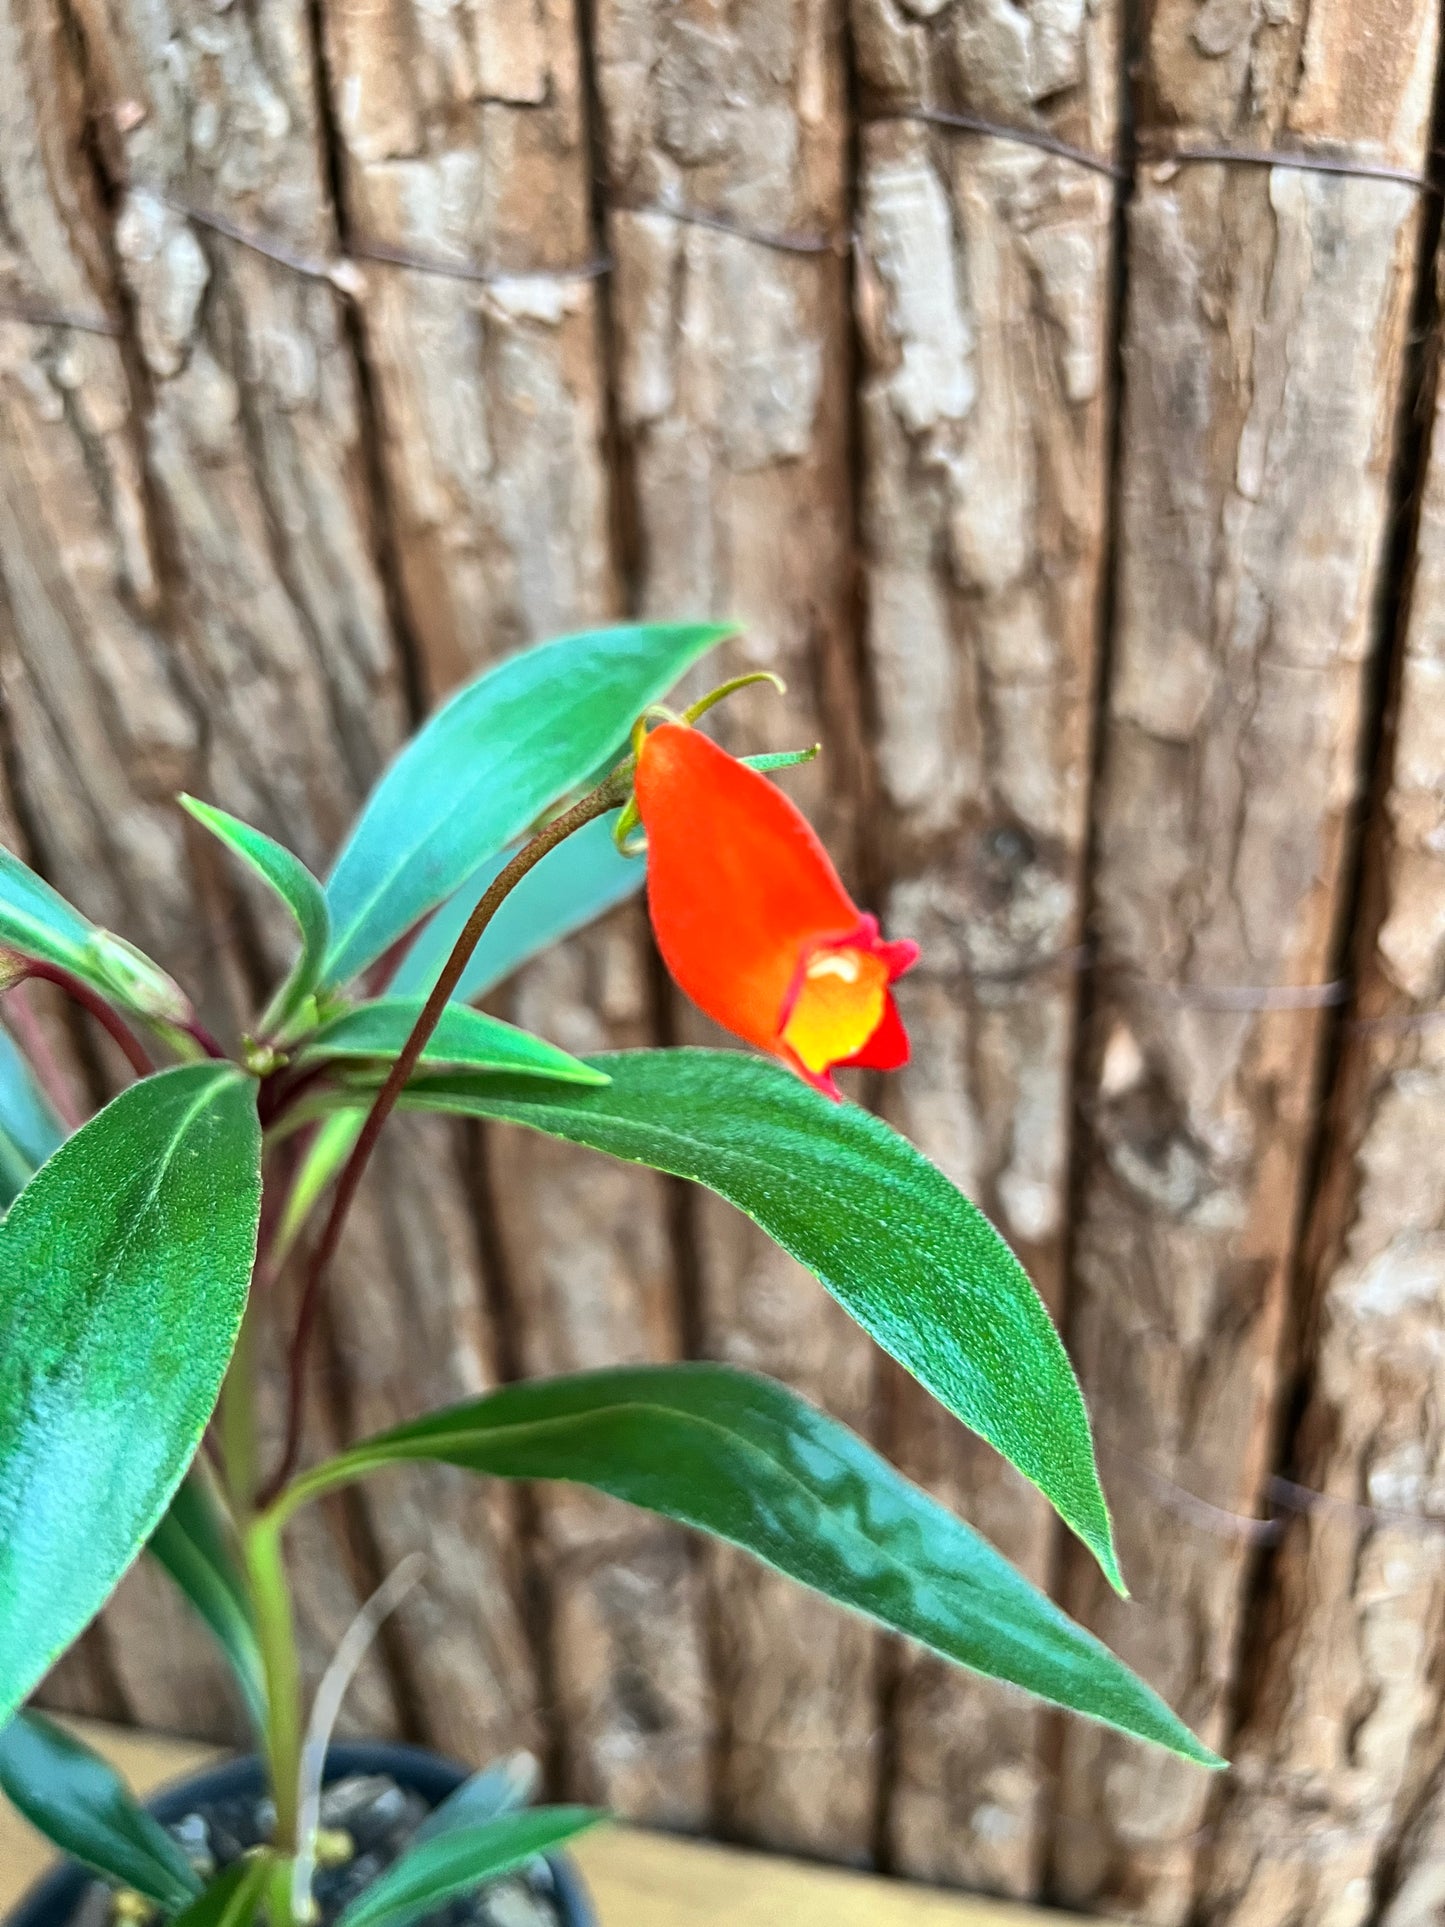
(412, 1331)
(1263, 347)
(463, 145)
(723, 140)
(591, 1282)
(1342, 1738)
(983, 309)
(190, 594)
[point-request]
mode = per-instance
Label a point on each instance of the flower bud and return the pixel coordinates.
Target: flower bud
(133, 980)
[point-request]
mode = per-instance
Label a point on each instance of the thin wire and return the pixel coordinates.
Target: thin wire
(37, 315)
(782, 241)
(1300, 159)
(1037, 137)
(592, 269)
(343, 273)
(341, 269)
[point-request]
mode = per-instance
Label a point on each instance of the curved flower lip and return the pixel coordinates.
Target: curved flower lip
(887, 1046)
(752, 919)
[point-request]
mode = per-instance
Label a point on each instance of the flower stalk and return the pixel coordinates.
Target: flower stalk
(608, 795)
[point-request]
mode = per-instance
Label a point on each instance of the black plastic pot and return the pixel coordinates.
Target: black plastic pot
(54, 1901)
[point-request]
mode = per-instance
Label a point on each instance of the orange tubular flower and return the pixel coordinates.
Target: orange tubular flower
(751, 917)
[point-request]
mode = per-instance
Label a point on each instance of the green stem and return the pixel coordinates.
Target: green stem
(276, 1633)
(238, 1421)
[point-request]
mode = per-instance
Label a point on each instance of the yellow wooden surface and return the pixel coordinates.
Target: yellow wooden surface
(637, 1879)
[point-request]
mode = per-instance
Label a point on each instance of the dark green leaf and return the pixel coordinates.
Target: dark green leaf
(233, 1898)
(29, 1128)
(583, 877)
(486, 766)
(192, 1544)
(747, 1460)
(80, 1803)
(915, 1263)
(455, 1862)
(303, 896)
(463, 1037)
(124, 1265)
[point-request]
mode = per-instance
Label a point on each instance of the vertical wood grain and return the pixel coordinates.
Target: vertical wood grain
(189, 594)
(1263, 347)
(462, 141)
(983, 302)
(590, 1279)
(1334, 1810)
(723, 141)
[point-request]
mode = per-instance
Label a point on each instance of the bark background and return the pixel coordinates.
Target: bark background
(1083, 474)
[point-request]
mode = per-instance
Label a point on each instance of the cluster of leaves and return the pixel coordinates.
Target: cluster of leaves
(127, 1252)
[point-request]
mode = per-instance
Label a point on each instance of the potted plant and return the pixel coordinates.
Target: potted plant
(137, 1254)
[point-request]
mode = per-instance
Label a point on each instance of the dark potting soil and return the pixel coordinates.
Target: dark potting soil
(379, 1817)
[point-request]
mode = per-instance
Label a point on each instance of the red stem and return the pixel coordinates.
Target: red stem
(30, 1035)
(198, 1034)
(113, 1025)
(596, 803)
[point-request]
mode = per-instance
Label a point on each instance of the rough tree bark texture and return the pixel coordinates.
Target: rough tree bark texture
(588, 1259)
(723, 144)
(983, 308)
(1341, 1747)
(1263, 349)
(463, 144)
(102, 666)
(259, 505)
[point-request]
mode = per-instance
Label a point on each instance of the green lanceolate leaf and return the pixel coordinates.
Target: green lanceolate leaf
(303, 896)
(29, 1128)
(124, 1265)
(233, 1898)
(463, 1037)
(487, 765)
(453, 1863)
(902, 1250)
(36, 921)
(80, 1803)
(747, 1460)
(192, 1544)
(572, 885)
(502, 1788)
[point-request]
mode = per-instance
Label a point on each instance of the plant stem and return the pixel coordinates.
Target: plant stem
(276, 1635)
(597, 802)
(30, 1035)
(110, 1022)
(238, 1421)
(198, 1034)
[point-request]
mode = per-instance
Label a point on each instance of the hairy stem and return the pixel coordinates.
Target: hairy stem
(276, 1635)
(200, 1036)
(109, 1020)
(596, 803)
(30, 1035)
